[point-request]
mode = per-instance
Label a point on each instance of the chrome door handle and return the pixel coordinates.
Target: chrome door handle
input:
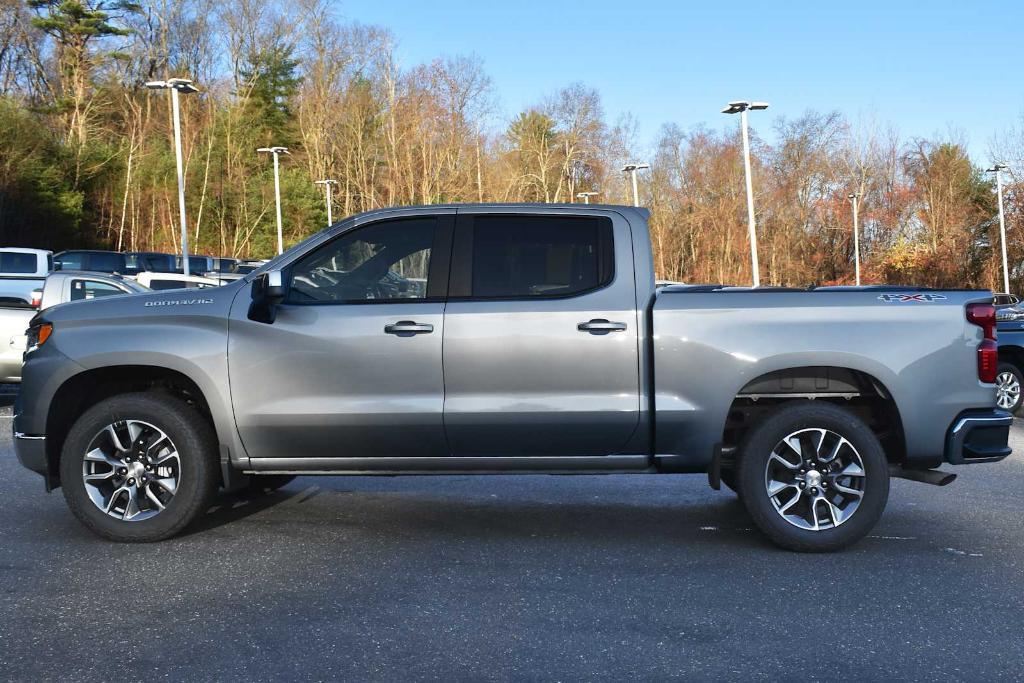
(406, 328)
(600, 326)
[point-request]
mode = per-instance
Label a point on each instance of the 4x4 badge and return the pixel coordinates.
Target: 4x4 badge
(902, 298)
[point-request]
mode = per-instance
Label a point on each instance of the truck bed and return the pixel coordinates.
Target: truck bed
(710, 344)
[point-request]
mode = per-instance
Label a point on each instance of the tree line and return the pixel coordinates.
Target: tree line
(87, 153)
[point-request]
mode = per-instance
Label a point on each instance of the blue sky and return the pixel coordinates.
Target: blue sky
(926, 68)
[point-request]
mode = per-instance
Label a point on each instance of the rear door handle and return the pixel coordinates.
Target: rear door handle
(600, 326)
(407, 328)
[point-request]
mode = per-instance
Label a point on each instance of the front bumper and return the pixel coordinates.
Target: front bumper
(31, 452)
(978, 436)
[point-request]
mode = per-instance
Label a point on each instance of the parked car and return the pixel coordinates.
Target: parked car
(1010, 380)
(92, 260)
(161, 281)
(57, 288)
(151, 261)
(538, 344)
(197, 265)
(21, 271)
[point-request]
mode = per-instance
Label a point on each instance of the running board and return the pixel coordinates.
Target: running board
(585, 464)
(933, 477)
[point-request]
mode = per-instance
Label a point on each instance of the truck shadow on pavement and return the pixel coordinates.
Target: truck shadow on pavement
(337, 515)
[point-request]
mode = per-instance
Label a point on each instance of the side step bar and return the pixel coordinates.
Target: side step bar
(584, 464)
(933, 477)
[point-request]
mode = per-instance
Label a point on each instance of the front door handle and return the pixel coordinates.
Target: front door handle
(600, 326)
(407, 328)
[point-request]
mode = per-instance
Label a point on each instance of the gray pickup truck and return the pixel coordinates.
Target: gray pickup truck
(505, 339)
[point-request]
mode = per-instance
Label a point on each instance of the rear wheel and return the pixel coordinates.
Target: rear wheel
(139, 467)
(813, 477)
(1009, 382)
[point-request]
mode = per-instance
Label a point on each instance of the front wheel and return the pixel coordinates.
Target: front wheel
(813, 477)
(139, 467)
(1008, 388)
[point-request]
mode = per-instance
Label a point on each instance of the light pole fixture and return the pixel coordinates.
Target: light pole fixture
(741, 108)
(178, 85)
(854, 197)
(277, 152)
(998, 170)
(329, 189)
(632, 169)
(585, 196)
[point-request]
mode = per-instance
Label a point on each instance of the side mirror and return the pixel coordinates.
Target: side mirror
(269, 291)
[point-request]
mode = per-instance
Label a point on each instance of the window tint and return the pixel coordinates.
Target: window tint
(157, 263)
(17, 262)
(92, 289)
(166, 284)
(106, 263)
(225, 265)
(526, 256)
(382, 262)
(70, 261)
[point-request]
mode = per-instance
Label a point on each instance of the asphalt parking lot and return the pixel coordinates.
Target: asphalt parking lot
(514, 577)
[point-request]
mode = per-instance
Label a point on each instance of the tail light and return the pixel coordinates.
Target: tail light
(37, 298)
(984, 316)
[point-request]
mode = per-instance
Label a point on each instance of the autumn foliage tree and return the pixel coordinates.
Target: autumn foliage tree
(87, 156)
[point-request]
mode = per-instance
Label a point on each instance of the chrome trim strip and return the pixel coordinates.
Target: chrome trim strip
(21, 435)
(966, 421)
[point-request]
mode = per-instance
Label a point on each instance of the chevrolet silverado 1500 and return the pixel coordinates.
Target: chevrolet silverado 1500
(506, 339)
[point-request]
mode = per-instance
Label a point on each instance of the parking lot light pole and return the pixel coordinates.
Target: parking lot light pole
(741, 109)
(329, 189)
(856, 237)
(277, 152)
(178, 85)
(585, 196)
(632, 169)
(998, 170)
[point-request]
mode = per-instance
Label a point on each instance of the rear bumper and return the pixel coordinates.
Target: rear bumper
(978, 436)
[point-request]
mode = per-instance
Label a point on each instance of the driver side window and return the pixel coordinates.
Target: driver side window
(386, 261)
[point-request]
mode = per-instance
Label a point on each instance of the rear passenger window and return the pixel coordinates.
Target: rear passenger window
(540, 256)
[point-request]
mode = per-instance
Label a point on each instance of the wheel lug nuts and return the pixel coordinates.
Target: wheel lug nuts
(131, 482)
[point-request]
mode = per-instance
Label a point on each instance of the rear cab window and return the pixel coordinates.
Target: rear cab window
(18, 263)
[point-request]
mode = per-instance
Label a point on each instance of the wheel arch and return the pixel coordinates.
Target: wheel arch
(856, 390)
(1012, 354)
(85, 389)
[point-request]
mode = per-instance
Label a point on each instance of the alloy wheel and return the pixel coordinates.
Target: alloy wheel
(1007, 390)
(815, 479)
(131, 470)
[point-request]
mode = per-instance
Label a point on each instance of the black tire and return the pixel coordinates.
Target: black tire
(1015, 381)
(752, 470)
(198, 471)
(268, 483)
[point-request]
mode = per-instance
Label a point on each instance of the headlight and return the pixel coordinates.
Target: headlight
(37, 336)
